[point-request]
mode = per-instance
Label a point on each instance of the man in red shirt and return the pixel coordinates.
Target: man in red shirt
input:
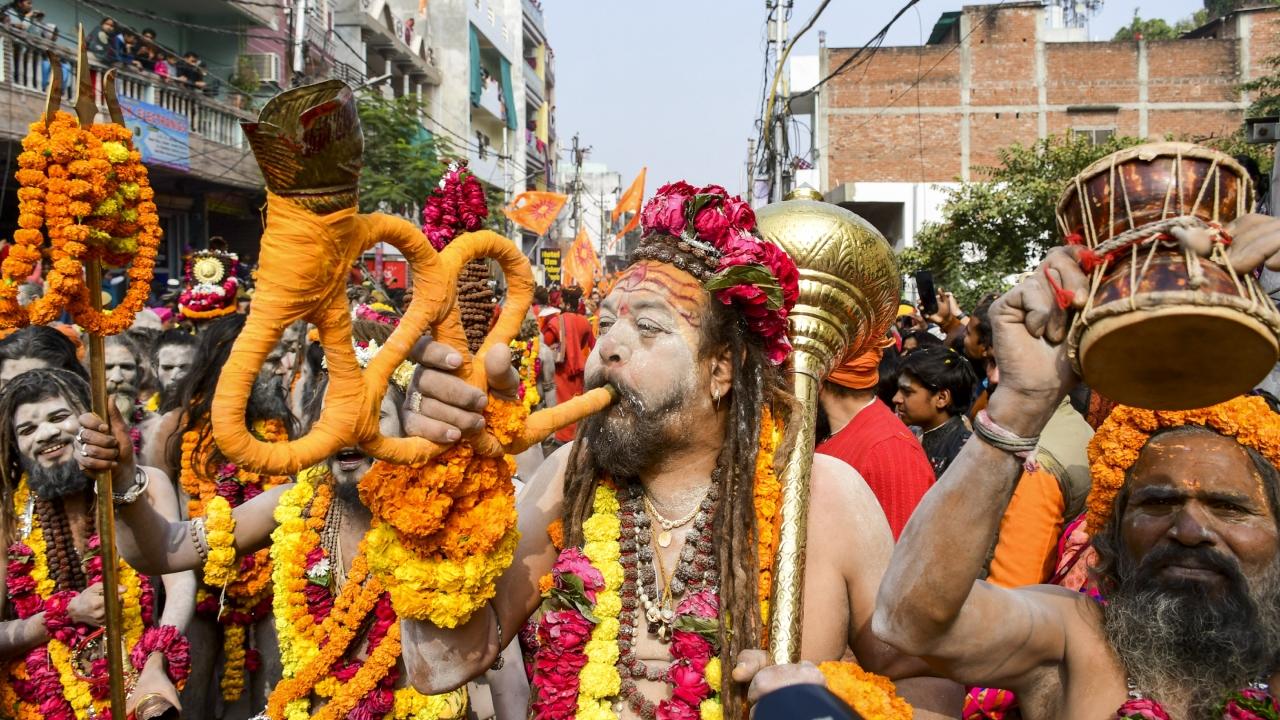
(570, 333)
(865, 433)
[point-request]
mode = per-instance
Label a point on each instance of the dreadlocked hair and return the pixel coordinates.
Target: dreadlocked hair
(194, 394)
(32, 386)
(757, 384)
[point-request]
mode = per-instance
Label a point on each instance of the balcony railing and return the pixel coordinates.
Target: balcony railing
(26, 65)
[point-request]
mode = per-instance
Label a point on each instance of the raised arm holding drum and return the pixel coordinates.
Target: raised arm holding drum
(1184, 505)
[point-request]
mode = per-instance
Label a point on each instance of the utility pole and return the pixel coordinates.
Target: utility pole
(579, 153)
(773, 119)
(299, 41)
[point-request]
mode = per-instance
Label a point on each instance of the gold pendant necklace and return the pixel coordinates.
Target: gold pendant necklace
(664, 535)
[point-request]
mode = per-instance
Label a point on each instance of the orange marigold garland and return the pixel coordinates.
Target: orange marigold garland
(247, 599)
(87, 192)
(444, 532)
(873, 696)
(1116, 445)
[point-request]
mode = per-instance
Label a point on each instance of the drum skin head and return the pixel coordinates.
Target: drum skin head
(1176, 357)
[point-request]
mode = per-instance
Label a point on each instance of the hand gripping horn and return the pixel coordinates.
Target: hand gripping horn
(308, 143)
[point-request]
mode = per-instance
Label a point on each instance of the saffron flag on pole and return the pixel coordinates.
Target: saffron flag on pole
(535, 210)
(581, 265)
(630, 200)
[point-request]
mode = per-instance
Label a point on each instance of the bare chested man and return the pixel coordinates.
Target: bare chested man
(695, 373)
(1188, 555)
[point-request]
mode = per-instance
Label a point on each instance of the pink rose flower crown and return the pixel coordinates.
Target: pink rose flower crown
(711, 235)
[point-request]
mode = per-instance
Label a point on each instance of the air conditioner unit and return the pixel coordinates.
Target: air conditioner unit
(266, 65)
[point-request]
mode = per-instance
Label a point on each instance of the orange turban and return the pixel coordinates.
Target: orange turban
(859, 373)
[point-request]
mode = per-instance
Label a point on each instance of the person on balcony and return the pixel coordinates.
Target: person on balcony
(190, 71)
(105, 43)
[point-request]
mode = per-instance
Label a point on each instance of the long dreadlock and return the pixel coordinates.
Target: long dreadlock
(757, 384)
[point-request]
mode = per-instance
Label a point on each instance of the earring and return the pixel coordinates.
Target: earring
(715, 397)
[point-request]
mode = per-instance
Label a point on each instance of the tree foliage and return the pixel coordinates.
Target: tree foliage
(1158, 28)
(402, 161)
(1267, 101)
(996, 229)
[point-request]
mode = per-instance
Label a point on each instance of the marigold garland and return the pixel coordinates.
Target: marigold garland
(530, 367)
(220, 528)
(443, 533)
(873, 696)
(244, 597)
(1118, 442)
(87, 190)
(568, 667)
(317, 630)
(45, 683)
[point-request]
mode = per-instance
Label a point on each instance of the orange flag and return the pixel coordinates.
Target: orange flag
(581, 265)
(631, 199)
(535, 210)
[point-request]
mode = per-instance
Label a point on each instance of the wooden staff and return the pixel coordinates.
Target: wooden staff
(86, 111)
(848, 294)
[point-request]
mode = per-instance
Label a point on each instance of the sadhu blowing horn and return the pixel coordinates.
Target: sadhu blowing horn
(308, 143)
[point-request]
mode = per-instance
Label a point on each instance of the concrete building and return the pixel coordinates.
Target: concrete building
(912, 120)
(385, 45)
(205, 179)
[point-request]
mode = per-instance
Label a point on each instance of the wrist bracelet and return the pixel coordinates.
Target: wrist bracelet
(140, 482)
(195, 527)
(1001, 439)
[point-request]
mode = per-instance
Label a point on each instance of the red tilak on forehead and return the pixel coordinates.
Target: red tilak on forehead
(682, 291)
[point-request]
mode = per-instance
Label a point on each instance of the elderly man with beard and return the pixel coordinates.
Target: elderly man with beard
(172, 357)
(52, 500)
(126, 373)
(1184, 521)
(687, 445)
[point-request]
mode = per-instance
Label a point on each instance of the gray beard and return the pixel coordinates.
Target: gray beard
(631, 436)
(59, 481)
(1188, 647)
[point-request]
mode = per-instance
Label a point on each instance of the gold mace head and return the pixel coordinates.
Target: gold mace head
(849, 282)
(309, 145)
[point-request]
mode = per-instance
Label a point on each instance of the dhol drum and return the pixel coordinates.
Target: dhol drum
(1166, 326)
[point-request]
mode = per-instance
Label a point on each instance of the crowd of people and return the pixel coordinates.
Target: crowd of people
(112, 45)
(985, 531)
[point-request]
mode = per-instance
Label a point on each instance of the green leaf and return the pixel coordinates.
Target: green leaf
(697, 203)
(708, 628)
(567, 599)
(752, 274)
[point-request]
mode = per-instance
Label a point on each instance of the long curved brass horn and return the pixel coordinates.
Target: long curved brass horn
(849, 289)
(308, 143)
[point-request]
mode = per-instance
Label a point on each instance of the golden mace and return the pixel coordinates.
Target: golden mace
(849, 290)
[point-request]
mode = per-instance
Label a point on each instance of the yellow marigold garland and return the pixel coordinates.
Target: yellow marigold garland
(443, 533)
(1118, 442)
(527, 351)
(220, 528)
(599, 681)
(300, 517)
(75, 690)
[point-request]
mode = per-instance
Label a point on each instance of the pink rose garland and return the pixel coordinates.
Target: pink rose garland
(756, 277)
(457, 206)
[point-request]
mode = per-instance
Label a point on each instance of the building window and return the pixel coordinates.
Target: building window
(1097, 136)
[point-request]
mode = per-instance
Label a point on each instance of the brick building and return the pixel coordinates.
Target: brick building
(895, 131)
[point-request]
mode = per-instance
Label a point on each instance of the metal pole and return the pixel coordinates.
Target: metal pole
(87, 111)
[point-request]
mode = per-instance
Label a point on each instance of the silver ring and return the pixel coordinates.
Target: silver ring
(80, 436)
(415, 402)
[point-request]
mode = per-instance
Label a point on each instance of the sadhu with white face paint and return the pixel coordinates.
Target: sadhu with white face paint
(661, 516)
